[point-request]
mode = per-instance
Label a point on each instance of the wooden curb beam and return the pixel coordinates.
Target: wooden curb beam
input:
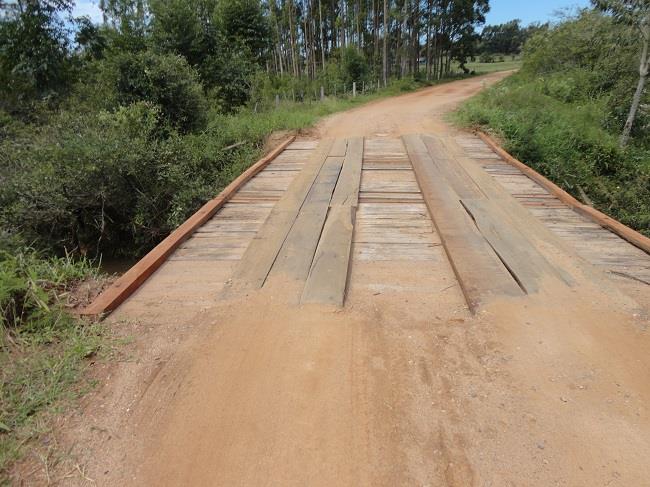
(127, 284)
(623, 231)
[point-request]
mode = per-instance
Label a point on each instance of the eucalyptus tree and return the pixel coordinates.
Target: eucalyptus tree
(635, 13)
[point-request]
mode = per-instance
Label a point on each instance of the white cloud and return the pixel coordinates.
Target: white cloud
(89, 8)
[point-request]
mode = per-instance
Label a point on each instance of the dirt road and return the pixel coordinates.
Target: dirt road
(401, 386)
(419, 112)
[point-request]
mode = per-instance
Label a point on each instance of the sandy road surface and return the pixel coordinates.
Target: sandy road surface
(402, 387)
(419, 112)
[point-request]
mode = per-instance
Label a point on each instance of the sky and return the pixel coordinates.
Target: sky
(529, 10)
(501, 10)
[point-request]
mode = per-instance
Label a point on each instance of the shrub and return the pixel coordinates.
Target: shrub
(165, 80)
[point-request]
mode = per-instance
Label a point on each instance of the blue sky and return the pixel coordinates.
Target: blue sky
(501, 10)
(89, 8)
(529, 10)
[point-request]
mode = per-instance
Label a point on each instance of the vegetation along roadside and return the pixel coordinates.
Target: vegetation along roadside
(567, 111)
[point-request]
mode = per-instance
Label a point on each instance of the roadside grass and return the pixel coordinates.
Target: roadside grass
(44, 350)
(565, 138)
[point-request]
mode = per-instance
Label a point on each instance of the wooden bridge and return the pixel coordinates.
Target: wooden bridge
(314, 218)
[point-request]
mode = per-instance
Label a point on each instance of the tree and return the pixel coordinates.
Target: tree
(91, 40)
(635, 13)
(163, 80)
(503, 38)
(34, 54)
(129, 22)
(243, 22)
(177, 27)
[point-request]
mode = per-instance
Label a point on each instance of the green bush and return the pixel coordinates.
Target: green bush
(165, 80)
(105, 181)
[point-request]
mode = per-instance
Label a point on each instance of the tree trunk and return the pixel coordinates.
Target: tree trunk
(636, 101)
(385, 54)
(322, 38)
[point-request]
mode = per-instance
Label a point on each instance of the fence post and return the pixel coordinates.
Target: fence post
(354, 89)
(277, 101)
(322, 93)
(363, 88)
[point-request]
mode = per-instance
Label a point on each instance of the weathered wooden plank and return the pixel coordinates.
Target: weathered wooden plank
(303, 144)
(297, 253)
(479, 270)
(520, 256)
(463, 185)
(347, 188)
(408, 252)
(632, 236)
(258, 259)
(327, 279)
(339, 148)
(518, 214)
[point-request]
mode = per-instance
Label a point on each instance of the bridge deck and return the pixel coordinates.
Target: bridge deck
(390, 228)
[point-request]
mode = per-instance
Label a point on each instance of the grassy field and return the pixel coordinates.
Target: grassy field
(484, 68)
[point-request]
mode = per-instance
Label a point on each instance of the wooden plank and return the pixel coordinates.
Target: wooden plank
(339, 149)
(463, 185)
(478, 269)
(297, 253)
(547, 242)
(258, 259)
(127, 284)
(328, 276)
(347, 188)
(520, 256)
(402, 252)
(303, 144)
(327, 279)
(632, 236)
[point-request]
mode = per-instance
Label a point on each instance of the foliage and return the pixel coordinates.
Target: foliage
(164, 80)
(506, 39)
(354, 67)
(183, 27)
(43, 349)
(598, 57)
(243, 23)
(636, 15)
(33, 53)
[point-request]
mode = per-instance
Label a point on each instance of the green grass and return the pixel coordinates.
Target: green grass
(485, 68)
(44, 350)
